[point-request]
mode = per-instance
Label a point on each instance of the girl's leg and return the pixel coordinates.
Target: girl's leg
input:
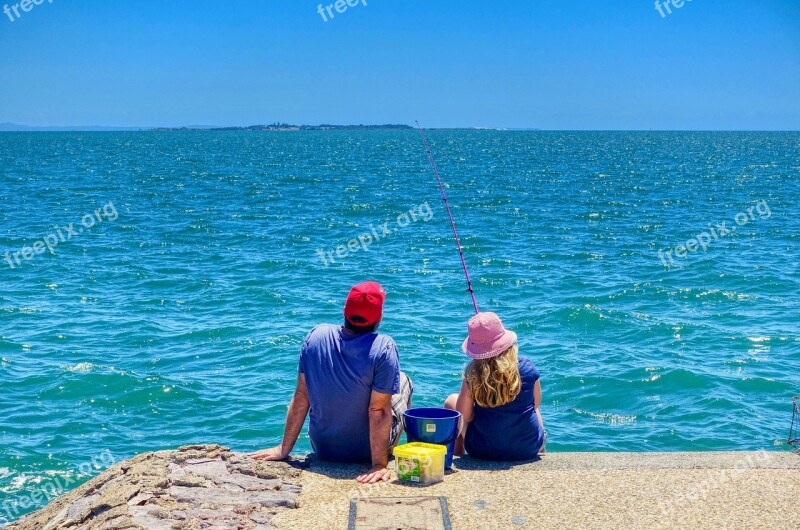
(450, 403)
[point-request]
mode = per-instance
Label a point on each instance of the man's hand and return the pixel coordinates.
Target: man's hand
(376, 474)
(274, 453)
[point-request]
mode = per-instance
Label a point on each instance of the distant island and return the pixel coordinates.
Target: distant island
(288, 127)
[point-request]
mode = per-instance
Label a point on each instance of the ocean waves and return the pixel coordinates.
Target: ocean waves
(181, 321)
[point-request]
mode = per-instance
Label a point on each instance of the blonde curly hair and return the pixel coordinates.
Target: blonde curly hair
(495, 382)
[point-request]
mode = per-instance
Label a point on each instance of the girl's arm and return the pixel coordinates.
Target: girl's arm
(465, 404)
(537, 402)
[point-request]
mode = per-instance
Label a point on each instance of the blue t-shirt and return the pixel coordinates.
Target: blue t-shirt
(341, 370)
(511, 431)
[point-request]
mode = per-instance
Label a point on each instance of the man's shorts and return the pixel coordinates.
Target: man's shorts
(399, 406)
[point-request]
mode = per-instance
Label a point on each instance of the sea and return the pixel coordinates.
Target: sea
(156, 286)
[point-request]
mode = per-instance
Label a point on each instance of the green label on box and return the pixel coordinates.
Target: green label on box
(409, 469)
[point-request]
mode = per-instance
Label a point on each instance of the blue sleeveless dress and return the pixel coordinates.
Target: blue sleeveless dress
(509, 432)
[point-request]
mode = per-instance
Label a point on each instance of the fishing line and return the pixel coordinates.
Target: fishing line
(450, 215)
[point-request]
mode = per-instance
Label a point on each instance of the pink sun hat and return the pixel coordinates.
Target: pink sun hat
(487, 337)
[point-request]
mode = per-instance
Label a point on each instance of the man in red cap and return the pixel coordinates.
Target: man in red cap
(350, 381)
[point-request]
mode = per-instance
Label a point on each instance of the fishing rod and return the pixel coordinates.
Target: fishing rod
(450, 215)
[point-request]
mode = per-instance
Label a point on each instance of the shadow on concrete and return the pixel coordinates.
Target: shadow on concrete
(338, 470)
(467, 463)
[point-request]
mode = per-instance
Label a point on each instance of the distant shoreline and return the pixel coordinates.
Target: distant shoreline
(290, 127)
(285, 127)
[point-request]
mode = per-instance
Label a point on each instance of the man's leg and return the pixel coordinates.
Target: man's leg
(400, 403)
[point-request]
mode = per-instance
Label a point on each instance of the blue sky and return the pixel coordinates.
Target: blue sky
(550, 64)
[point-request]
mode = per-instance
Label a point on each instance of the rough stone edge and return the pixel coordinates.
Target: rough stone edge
(291, 471)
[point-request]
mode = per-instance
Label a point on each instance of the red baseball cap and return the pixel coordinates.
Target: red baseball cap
(366, 301)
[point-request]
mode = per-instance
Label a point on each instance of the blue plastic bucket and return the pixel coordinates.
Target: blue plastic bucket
(433, 426)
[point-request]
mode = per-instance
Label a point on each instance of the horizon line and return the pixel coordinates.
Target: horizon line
(284, 127)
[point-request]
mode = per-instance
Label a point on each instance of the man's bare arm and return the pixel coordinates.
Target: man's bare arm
(380, 429)
(295, 418)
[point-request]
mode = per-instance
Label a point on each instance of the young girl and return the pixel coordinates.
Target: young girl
(500, 396)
